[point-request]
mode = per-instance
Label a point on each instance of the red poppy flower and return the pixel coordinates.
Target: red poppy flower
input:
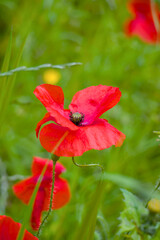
(143, 24)
(24, 189)
(85, 129)
(9, 229)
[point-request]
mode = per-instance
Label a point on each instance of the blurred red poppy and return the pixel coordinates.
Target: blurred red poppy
(85, 129)
(24, 189)
(9, 229)
(142, 25)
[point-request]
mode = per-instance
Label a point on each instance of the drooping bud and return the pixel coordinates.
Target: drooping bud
(154, 205)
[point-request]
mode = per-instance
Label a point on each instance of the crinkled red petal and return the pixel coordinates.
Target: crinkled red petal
(37, 209)
(99, 135)
(52, 98)
(94, 101)
(50, 95)
(143, 29)
(142, 25)
(46, 118)
(139, 6)
(24, 189)
(39, 163)
(9, 230)
(61, 195)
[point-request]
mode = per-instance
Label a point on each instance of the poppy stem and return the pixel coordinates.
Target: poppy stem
(54, 159)
(88, 165)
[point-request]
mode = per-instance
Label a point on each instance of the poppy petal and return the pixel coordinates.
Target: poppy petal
(143, 24)
(143, 28)
(24, 189)
(37, 209)
(50, 95)
(46, 118)
(93, 101)
(9, 230)
(139, 6)
(61, 195)
(39, 163)
(59, 169)
(99, 135)
(53, 99)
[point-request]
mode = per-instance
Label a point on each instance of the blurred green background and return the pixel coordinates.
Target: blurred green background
(90, 32)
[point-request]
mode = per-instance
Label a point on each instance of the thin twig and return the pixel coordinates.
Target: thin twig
(43, 66)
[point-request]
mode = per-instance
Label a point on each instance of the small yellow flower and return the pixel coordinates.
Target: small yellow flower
(51, 76)
(154, 205)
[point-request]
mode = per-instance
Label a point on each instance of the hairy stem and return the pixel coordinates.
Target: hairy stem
(54, 159)
(88, 165)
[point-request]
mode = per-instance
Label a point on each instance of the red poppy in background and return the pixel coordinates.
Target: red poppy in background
(85, 129)
(142, 25)
(9, 229)
(24, 189)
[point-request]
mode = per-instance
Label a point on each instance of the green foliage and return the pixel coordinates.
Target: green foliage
(157, 1)
(130, 183)
(136, 220)
(3, 85)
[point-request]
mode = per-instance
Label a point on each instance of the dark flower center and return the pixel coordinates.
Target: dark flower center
(76, 118)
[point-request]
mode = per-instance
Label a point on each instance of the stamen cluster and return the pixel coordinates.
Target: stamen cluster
(76, 118)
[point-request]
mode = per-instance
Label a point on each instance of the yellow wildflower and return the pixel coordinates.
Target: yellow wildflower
(51, 76)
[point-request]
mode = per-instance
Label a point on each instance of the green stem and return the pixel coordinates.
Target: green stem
(54, 159)
(156, 188)
(88, 165)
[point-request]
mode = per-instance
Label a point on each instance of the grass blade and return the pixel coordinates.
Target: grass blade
(10, 81)
(8, 87)
(5, 67)
(87, 228)
(143, 189)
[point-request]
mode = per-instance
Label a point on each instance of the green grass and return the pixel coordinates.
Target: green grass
(90, 32)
